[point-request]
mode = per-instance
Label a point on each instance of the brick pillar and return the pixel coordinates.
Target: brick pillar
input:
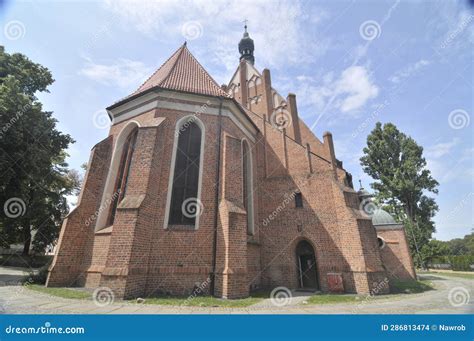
(308, 153)
(231, 267)
(295, 121)
(329, 145)
(267, 93)
(127, 261)
(244, 96)
(77, 232)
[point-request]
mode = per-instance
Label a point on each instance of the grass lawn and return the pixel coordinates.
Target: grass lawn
(203, 301)
(60, 292)
(397, 287)
(200, 301)
(333, 298)
(410, 287)
(452, 274)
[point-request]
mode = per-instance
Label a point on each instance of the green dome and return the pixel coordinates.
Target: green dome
(382, 217)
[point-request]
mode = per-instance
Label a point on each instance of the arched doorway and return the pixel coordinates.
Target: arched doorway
(307, 272)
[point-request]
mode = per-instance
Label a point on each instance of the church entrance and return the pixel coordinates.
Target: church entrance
(307, 272)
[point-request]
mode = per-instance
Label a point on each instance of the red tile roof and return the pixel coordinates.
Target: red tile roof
(184, 73)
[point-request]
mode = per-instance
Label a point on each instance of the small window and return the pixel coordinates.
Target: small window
(381, 242)
(298, 199)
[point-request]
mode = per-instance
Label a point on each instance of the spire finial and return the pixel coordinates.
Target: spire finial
(360, 183)
(246, 46)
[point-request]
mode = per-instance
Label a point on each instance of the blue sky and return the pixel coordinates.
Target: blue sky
(350, 64)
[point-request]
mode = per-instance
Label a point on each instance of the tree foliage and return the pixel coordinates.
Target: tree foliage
(458, 253)
(33, 170)
(395, 161)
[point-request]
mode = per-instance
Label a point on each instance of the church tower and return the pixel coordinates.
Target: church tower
(246, 47)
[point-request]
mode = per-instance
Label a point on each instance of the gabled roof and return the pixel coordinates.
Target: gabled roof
(183, 72)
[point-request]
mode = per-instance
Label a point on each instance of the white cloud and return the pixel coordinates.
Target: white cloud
(448, 165)
(355, 87)
(279, 28)
(409, 70)
(440, 149)
(122, 72)
(347, 93)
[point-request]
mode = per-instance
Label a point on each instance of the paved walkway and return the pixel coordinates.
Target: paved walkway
(452, 296)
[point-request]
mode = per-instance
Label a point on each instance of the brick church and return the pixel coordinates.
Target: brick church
(222, 188)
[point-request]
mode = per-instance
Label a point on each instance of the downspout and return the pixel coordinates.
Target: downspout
(216, 201)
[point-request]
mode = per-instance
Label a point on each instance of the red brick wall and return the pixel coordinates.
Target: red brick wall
(396, 255)
(137, 256)
(77, 232)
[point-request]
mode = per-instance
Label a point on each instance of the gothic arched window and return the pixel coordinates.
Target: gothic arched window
(123, 171)
(185, 205)
(247, 185)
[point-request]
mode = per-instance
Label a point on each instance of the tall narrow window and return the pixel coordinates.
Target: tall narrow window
(121, 181)
(298, 199)
(247, 185)
(184, 202)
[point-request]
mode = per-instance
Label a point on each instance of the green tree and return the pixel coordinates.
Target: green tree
(35, 178)
(396, 163)
(434, 248)
(462, 246)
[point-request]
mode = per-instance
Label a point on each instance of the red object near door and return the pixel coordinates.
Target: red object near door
(335, 283)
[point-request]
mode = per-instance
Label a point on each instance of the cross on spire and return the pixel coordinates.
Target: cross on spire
(246, 46)
(245, 24)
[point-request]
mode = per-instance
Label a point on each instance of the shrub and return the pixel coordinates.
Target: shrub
(457, 263)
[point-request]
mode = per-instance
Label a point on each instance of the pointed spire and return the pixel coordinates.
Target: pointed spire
(363, 194)
(246, 46)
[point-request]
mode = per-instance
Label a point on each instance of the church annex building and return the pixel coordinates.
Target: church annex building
(222, 188)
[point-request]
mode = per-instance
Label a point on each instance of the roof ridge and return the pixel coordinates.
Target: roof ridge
(181, 49)
(158, 69)
(204, 70)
